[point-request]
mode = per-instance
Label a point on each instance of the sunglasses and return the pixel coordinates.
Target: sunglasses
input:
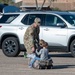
(40, 44)
(39, 22)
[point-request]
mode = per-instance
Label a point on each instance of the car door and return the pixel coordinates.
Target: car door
(55, 36)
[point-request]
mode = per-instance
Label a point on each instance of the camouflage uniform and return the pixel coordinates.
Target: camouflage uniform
(29, 38)
(31, 35)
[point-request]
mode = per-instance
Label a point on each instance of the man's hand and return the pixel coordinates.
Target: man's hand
(33, 49)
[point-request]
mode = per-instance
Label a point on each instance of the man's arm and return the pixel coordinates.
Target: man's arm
(39, 53)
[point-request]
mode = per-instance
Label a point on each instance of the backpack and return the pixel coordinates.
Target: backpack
(43, 64)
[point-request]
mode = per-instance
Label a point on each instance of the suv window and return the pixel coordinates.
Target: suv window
(25, 19)
(69, 18)
(52, 20)
(8, 18)
(29, 19)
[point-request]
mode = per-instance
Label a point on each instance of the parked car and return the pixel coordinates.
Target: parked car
(57, 28)
(5, 8)
(2, 6)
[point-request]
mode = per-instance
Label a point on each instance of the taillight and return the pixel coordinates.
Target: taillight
(0, 26)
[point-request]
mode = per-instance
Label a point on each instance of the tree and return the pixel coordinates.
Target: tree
(42, 5)
(36, 4)
(6, 1)
(37, 7)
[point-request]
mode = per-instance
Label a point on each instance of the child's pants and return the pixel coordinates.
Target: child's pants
(33, 60)
(31, 55)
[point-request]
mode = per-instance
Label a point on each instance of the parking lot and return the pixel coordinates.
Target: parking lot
(64, 64)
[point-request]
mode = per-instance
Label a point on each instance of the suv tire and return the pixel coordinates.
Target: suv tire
(10, 47)
(72, 48)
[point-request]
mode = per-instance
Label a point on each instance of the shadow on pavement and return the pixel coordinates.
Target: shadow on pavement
(55, 54)
(67, 55)
(63, 66)
(61, 55)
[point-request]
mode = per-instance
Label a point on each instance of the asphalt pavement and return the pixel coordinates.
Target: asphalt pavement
(63, 64)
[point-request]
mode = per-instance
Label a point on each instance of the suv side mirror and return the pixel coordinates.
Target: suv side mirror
(62, 25)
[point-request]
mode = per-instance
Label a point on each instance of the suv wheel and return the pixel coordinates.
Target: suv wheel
(72, 48)
(10, 47)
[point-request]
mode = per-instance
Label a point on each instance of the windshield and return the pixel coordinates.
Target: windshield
(69, 18)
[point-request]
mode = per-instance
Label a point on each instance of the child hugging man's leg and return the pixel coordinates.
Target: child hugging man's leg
(43, 54)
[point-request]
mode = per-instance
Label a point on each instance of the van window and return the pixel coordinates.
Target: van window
(25, 19)
(70, 18)
(8, 18)
(52, 20)
(29, 19)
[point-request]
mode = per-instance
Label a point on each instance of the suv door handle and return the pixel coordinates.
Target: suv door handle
(46, 29)
(21, 28)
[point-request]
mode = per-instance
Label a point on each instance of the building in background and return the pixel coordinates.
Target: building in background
(60, 4)
(64, 4)
(16, 1)
(31, 4)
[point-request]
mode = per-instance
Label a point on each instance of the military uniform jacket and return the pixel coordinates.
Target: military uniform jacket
(28, 39)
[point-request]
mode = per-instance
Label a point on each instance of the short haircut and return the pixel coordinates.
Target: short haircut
(36, 20)
(41, 41)
(45, 44)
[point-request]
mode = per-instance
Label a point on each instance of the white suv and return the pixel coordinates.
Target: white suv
(57, 28)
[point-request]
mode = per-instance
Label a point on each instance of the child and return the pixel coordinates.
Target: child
(40, 47)
(43, 54)
(32, 56)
